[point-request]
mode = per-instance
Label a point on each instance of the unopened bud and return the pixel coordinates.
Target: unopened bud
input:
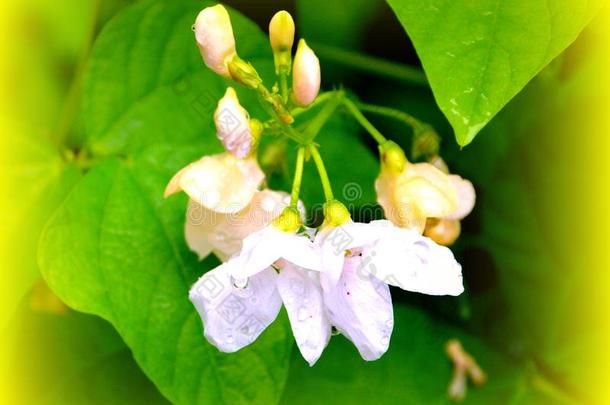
(335, 213)
(305, 75)
(281, 36)
(289, 220)
(215, 38)
(233, 125)
(392, 157)
(281, 31)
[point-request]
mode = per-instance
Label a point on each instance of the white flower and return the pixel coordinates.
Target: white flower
(369, 257)
(233, 125)
(215, 39)
(252, 270)
(221, 183)
(305, 75)
(208, 231)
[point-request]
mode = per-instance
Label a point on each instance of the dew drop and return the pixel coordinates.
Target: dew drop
(240, 283)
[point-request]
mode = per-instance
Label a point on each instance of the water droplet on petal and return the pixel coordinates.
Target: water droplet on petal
(240, 283)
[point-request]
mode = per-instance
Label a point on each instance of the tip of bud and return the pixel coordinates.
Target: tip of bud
(281, 31)
(305, 75)
(233, 125)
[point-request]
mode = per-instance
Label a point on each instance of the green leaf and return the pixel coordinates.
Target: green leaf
(35, 180)
(148, 108)
(414, 370)
(479, 55)
(70, 358)
(146, 81)
(129, 264)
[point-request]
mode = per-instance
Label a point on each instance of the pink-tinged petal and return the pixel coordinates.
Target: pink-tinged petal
(414, 263)
(466, 197)
(302, 297)
(234, 317)
(199, 225)
(360, 307)
(214, 35)
(221, 183)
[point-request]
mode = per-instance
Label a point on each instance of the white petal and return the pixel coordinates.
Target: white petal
(200, 223)
(302, 297)
(360, 307)
(221, 183)
(466, 197)
(334, 242)
(414, 263)
(234, 317)
(228, 234)
(264, 247)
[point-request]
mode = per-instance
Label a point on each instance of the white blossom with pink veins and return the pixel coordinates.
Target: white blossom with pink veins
(361, 260)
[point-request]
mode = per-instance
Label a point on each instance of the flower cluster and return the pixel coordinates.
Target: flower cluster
(336, 275)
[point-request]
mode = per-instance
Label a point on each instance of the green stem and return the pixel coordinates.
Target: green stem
(284, 87)
(315, 154)
(298, 177)
(366, 124)
(316, 124)
(322, 98)
(402, 116)
(370, 64)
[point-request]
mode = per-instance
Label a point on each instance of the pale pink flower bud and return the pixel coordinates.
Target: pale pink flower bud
(305, 75)
(215, 38)
(233, 125)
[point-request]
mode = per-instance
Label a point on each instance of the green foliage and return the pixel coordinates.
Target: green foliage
(37, 180)
(479, 55)
(71, 358)
(127, 260)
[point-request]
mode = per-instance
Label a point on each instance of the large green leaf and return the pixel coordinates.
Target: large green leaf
(146, 81)
(116, 249)
(479, 55)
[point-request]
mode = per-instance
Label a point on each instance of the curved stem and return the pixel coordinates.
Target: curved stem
(402, 116)
(298, 177)
(314, 126)
(315, 154)
(366, 124)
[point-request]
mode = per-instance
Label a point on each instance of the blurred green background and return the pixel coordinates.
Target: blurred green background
(535, 252)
